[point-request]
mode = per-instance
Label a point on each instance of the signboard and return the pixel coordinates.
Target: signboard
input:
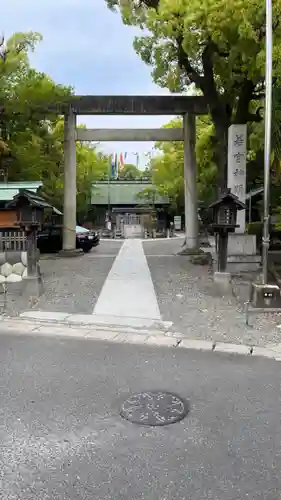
(236, 181)
(177, 222)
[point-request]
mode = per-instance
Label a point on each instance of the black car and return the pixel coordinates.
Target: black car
(50, 239)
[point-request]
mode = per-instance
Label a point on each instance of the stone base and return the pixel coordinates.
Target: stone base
(240, 263)
(75, 252)
(189, 251)
(242, 244)
(33, 287)
(242, 254)
(222, 283)
(196, 256)
(204, 240)
(202, 259)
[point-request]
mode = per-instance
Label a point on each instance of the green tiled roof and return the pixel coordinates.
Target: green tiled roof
(10, 189)
(123, 193)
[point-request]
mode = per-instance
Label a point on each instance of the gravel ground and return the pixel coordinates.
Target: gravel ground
(71, 285)
(185, 293)
(186, 297)
(166, 247)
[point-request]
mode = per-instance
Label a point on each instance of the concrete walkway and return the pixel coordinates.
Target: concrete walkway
(128, 295)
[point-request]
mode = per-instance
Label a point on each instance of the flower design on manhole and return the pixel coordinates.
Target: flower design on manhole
(154, 408)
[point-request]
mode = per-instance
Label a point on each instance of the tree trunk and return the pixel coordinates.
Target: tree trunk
(221, 148)
(220, 111)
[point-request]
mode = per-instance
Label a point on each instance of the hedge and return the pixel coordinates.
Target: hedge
(275, 235)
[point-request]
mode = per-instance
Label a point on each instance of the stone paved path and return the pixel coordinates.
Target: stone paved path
(128, 293)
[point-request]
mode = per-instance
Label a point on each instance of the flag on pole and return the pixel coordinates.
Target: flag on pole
(121, 161)
(3, 51)
(116, 165)
(113, 165)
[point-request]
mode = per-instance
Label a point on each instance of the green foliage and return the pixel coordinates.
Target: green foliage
(129, 171)
(91, 166)
(147, 196)
(31, 137)
(23, 90)
(167, 167)
(256, 228)
(216, 45)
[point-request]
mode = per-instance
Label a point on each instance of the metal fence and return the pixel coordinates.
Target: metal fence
(131, 219)
(13, 240)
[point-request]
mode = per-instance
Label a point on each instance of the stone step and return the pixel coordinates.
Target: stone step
(240, 263)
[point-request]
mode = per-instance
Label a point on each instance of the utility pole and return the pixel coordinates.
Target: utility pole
(264, 295)
(108, 183)
(267, 140)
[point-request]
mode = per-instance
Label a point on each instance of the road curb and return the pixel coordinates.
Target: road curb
(95, 321)
(19, 326)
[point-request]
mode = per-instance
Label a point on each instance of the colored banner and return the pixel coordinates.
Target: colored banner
(116, 166)
(121, 161)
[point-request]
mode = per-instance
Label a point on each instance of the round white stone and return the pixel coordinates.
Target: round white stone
(13, 278)
(2, 279)
(6, 269)
(18, 268)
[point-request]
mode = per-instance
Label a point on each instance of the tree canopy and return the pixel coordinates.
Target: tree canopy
(167, 167)
(129, 171)
(31, 139)
(216, 45)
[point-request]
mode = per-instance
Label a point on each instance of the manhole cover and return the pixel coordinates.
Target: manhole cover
(154, 408)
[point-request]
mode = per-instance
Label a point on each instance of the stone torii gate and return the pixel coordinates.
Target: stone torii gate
(187, 107)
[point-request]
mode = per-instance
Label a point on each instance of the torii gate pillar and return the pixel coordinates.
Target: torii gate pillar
(69, 209)
(190, 187)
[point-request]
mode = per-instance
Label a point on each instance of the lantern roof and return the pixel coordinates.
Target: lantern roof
(227, 197)
(33, 199)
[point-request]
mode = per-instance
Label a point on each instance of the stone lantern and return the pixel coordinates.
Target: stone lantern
(225, 221)
(29, 208)
(30, 212)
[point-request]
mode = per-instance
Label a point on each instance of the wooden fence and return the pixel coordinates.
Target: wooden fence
(13, 240)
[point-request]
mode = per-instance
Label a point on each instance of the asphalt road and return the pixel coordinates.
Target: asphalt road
(61, 436)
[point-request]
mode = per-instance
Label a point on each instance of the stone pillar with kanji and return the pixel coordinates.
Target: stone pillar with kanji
(237, 151)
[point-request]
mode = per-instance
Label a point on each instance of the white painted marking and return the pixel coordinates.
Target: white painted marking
(266, 352)
(45, 315)
(232, 348)
(161, 341)
(128, 290)
(198, 345)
